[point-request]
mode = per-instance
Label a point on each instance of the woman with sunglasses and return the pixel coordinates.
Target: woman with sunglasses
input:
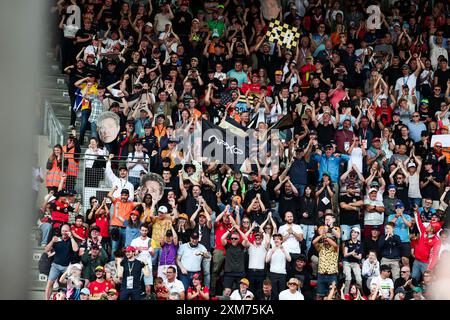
(270, 228)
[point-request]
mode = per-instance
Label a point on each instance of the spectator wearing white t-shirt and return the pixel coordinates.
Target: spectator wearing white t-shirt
(292, 235)
(173, 284)
(137, 161)
(242, 293)
(257, 252)
(145, 253)
(292, 292)
(277, 257)
(384, 283)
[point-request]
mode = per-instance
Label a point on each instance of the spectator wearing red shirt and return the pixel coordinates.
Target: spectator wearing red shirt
(79, 231)
(100, 287)
(197, 291)
(427, 249)
(221, 225)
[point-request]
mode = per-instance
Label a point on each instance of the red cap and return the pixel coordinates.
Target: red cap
(196, 276)
(130, 248)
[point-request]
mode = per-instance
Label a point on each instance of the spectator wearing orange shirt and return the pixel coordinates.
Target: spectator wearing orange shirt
(121, 208)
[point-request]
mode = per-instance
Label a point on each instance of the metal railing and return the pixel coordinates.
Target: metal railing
(91, 179)
(52, 126)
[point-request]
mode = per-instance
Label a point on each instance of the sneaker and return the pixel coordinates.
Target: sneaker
(56, 285)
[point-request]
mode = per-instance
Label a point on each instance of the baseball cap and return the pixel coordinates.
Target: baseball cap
(183, 216)
(85, 291)
(130, 248)
(376, 139)
(99, 268)
(245, 281)
(372, 190)
(149, 24)
(278, 73)
(400, 290)
(163, 209)
(392, 186)
(195, 235)
(399, 204)
(125, 191)
(405, 66)
(411, 165)
(417, 289)
(166, 159)
(374, 184)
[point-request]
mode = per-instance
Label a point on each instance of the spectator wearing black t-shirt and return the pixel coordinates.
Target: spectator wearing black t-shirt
(234, 259)
(350, 205)
(65, 248)
(130, 274)
(430, 183)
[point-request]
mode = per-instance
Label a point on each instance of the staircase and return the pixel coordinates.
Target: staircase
(53, 88)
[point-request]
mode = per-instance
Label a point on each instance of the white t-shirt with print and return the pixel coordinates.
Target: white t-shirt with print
(384, 284)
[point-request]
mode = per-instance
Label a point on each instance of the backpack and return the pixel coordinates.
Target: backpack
(45, 264)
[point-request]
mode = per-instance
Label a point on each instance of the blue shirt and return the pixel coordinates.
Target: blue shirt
(131, 233)
(330, 165)
(415, 130)
(401, 229)
(241, 77)
(298, 172)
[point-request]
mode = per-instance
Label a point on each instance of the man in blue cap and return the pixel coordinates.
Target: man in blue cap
(402, 223)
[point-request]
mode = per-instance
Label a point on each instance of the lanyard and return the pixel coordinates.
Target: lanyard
(130, 268)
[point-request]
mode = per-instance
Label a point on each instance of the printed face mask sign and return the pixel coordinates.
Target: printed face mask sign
(283, 34)
(374, 20)
(108, 126)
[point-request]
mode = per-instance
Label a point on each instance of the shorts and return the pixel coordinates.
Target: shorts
(405, 249)
(56, 271)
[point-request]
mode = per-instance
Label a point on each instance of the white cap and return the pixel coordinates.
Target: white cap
(372, 190)
(356, 229)
(149, 24)
(411, 165)
(163, 209)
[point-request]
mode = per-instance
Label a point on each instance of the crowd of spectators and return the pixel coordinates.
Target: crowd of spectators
(357, 207)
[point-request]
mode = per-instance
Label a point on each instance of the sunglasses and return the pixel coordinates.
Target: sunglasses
(292, 284)
(234, 238)
(404, 271)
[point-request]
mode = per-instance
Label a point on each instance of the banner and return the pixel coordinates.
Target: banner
(283, 34)
(228, 145)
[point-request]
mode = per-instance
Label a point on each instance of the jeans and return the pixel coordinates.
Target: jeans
(116, 244)
(84, 123)
(278, 281)
(256, 279)
(206, 266)
(348, 267)
(45, 228)
(156, 257)
(187, 279)
(346, 230)
(126, 294)
(135, 181)
(308, 233)
(323, 283)
(418, 269)
(413, 201)
(56, 271)
(94, 132)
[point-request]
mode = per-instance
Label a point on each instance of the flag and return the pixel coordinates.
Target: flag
(284, 123)
(283, 34)
(78, 101)
(228, 145)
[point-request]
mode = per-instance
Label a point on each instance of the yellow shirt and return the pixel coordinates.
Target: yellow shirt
(328, 259)
(158, 228)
